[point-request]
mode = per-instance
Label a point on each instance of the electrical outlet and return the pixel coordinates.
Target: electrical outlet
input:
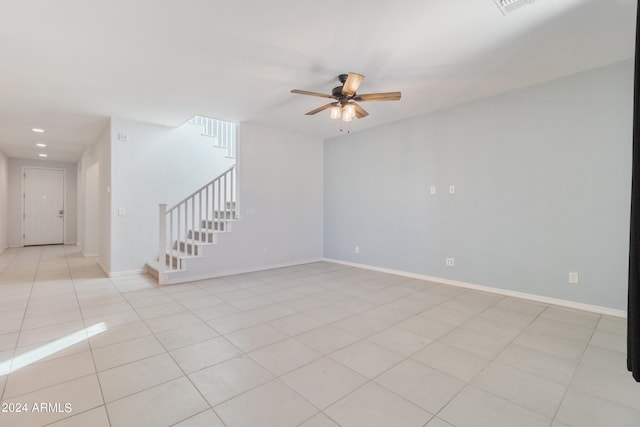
(452, 189)
(432, 190)
(356, 249)
(573, 277)
(451, 262)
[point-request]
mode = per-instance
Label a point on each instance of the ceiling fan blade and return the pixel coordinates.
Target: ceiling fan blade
(324, 107)
(360, 112)
(352, 84)
(306, 92)
(385, 96)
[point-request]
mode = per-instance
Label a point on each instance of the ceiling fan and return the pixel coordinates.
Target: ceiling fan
(346, 107)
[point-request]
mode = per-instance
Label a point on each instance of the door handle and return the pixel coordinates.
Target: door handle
(61, 213)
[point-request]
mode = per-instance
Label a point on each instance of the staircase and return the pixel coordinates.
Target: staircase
(190, 226)
(223, 133)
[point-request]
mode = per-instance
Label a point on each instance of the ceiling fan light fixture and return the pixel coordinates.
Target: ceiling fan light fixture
(348, 112)
(336, 112)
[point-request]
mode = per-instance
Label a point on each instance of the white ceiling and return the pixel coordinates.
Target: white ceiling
(68, 65)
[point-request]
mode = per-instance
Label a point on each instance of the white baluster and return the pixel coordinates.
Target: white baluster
(193, 222)
(186, 224)
(162, 242)
(178, 228)
(171, 226)
(199, 217)
(226, 202)
(219, 206)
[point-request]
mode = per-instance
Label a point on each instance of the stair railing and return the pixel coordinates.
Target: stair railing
(224, 132)
(192, 220)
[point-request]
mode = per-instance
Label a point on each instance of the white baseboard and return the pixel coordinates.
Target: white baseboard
(87, 254)
(205, 276)
(102, 267)
(532, 297)
(127, 272)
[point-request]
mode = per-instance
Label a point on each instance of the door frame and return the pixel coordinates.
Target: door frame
(24, 200)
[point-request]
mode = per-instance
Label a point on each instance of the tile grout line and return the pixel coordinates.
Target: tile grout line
(566, 387)
(61, 382)
(104, 404)
(566, 390)
(13, 353)
(95, 368)
(469, 382)
(322, 355)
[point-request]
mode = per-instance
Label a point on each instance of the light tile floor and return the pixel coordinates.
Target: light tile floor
(314, 345)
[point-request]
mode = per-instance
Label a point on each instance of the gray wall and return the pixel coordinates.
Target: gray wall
(102, 153)
(542, 180)
(4, 200)
(89, 201)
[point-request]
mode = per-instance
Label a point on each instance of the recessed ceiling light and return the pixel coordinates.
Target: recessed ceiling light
(37, 130)
(42, 155)
(41, 145)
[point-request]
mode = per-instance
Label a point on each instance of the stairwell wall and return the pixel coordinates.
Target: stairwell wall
(280, 205)
(542, 188)
(155, 164)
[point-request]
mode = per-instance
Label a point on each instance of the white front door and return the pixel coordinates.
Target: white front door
(43, 206)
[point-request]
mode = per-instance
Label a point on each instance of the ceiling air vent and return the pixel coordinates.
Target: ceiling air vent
(507, 6)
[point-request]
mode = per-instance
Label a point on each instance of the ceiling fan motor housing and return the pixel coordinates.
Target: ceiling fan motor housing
(337, 92)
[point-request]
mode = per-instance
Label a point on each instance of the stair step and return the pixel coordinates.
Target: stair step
(193, 248)
(229, 214)
(169, 276)
(153, 269)
(173, 261)
(205, 236)
(214, 224)
(186, 248)
(176, 260)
